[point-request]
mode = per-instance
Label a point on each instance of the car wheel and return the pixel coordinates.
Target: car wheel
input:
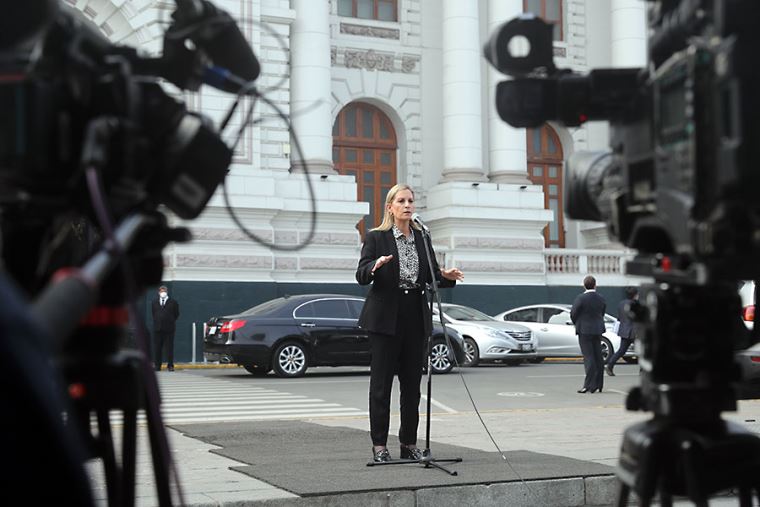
(631, 360)
(471, 352)
(256, 370)
(536, 360)
(290, 360)
(607, 350)
(440, 358)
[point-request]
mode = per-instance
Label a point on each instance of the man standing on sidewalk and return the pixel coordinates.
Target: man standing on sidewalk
(625, 329)
(588, 316)
(165, 313)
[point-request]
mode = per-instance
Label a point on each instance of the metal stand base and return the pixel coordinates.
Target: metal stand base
(427, 459)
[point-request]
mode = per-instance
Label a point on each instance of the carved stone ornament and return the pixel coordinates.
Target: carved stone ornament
(370, 60)
(370, 31)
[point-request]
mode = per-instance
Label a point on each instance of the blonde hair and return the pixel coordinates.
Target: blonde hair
(388, 222)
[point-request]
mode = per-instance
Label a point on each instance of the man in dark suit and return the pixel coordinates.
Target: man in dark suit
(625, 328)
(588, 316)
(165, 313)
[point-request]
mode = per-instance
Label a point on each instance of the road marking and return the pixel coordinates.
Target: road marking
(615, 391)
(520, 395)
(441, 405)
(193, 398)
(580, 375)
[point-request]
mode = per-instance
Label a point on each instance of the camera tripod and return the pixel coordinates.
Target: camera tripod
(427, 455)
(687, 337)
(100, 378)
(85, 311)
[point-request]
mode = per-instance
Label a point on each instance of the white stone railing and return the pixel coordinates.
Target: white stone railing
(571, 261)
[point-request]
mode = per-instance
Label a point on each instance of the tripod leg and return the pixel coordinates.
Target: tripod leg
(745, 496)
(129, 453)
(106, 450)
(623, 491)
(158, 441)
(666, 499)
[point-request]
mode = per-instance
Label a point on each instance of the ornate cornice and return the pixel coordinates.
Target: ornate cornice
(498, 243)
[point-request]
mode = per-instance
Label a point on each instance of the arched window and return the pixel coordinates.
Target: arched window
(364, 146)
(548, 10)
(545, 169)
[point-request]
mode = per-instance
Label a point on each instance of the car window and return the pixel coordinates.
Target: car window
(265, 308)
(465, 313)
(355, 306)
(549, 312)
(527, 315)
(563, 317)
(331, 309)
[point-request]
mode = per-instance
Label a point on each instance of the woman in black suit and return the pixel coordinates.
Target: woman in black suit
(397, 316)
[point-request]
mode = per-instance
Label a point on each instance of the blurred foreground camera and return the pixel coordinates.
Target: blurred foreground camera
(680, 185)
(680, 178)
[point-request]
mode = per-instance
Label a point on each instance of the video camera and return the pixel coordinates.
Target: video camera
(679, 180)
(91, 145)
(72, 100)
(679, 185)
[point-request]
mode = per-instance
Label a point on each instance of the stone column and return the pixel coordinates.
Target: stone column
(628, 21)
(310, 85)
(507, 149)
(462, 128)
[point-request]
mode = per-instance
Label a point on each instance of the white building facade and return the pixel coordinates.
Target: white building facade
(382, 92)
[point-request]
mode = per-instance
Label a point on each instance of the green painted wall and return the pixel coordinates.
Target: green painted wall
(201, 300)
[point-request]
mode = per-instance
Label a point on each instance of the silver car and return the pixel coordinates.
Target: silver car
(486, 339)
(555, 332)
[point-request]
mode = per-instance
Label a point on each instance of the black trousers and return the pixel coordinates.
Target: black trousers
(593, 362)
(163, 341)
(401, 354)
(625, 343)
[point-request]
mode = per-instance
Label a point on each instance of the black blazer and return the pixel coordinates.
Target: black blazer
(381, 306)
(625, 329)
(588, 313)
(165, 316)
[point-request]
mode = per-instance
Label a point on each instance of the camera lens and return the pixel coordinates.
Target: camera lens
(584, 182)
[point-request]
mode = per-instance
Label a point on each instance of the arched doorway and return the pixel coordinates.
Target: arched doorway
(545, 169)
(364, 146)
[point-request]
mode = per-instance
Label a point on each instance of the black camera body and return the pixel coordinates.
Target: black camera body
(80, 100)
(680, 185)
(680, 181)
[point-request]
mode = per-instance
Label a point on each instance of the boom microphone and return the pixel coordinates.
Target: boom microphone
(417, 219)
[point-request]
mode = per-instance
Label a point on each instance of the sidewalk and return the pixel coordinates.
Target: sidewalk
(589, 434)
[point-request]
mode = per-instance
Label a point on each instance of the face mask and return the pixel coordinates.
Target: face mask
(162, 294)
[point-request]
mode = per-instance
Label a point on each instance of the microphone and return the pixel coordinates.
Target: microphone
(215, 32)
(417, 219)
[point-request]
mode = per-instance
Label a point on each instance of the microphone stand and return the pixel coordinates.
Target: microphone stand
(427, 455)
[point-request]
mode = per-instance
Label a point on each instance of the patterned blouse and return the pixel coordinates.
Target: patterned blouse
(408, 261)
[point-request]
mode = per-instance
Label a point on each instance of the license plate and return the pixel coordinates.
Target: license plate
(212, 330)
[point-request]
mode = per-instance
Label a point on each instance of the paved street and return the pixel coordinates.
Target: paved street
(493, 387)
(529, 407)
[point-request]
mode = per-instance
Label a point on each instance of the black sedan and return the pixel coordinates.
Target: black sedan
(291, 333)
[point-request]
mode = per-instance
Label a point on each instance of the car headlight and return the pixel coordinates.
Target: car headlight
(494, 333)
